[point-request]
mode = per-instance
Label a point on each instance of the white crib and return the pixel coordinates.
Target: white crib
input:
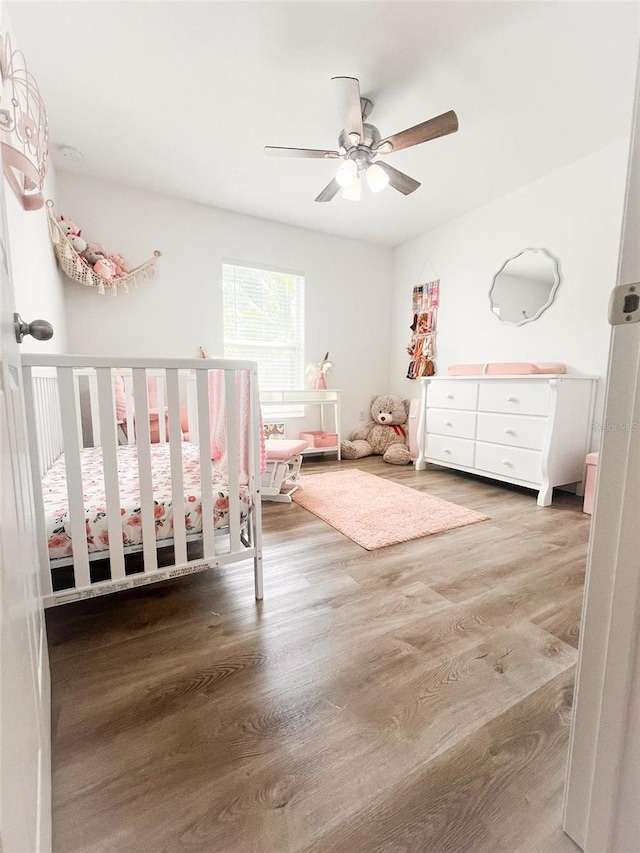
(114, 476)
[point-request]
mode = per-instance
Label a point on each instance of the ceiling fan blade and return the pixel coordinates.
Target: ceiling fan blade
(431, 129)
(321, 154)
(347, 94)
(330, 191)
(398, 180)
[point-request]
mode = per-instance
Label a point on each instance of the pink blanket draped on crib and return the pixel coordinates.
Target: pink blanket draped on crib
(218, 423)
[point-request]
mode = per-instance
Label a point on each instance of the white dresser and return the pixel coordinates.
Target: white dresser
(534, 431)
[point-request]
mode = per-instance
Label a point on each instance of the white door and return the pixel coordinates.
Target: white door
(25, 765)
(602, 803)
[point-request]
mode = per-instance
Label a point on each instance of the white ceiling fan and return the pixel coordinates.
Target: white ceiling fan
(360, 145)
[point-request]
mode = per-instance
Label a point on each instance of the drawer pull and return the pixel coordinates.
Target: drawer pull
(449, 397)
(449, 424)
(509, 432)
(507, 463)
(512, 399)
(446, 450)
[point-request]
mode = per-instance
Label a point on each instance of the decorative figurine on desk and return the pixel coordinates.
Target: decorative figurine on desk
(318, 373)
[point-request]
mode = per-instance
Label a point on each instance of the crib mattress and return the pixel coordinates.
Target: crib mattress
(56, 507)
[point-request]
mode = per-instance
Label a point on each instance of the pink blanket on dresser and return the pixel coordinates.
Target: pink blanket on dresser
(507, 368)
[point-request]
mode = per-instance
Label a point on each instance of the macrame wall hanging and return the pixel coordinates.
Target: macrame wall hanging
(422, 345)
(74, 265)
(24, 132)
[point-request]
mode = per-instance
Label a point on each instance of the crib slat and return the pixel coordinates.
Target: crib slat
(162, 420)
(95, 413)
(36, 480)
(54, 423)
(143, 442)
(255, 479)
(46, 398)
(70, 435)
(41, 427)
(128, 402)
(42, 447)
(45, 450)
(192, 408)
(233, 400)
(177, 480)
(78, 407)
(106, 413)
(59, 441)
(206, 486)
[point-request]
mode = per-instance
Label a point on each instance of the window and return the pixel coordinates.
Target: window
(264, 321)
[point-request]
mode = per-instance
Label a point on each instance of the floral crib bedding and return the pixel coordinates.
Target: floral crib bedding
(56, 504)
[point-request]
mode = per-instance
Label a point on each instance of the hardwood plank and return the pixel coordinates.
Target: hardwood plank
(450, 803)
(397, 713)
(562, 619)
(190, 717)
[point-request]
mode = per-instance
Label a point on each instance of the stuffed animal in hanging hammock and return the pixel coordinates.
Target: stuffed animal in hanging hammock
(101, 266)
(119, 263)
(384, 435)
(78, 243)
(68, 226)
(108, 265)
(105, 268)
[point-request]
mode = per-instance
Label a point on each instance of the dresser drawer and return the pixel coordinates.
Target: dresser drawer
(452, 395)
(509, 462)
(513, 430)
(514, 397)
(458, 451)
(451, 422)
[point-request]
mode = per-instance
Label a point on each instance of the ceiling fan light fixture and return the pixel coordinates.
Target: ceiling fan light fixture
(359, 143)
(377, 178)
(353, 192)
(347, 173)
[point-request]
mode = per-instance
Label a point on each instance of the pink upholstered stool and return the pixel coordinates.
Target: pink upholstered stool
(284, 458)
(590, 482)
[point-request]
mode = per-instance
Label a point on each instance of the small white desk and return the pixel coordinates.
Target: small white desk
(327, 400)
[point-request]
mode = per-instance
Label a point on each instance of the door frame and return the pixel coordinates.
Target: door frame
(605, 745)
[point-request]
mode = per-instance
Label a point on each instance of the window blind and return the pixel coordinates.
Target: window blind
(264, 321)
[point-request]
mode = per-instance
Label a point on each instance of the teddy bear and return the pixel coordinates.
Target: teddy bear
(384, 435)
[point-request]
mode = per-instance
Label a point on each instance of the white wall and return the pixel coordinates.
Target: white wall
(576, 214)
(347, 284)
(37, 281)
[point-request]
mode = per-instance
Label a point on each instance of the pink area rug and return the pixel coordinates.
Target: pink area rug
(375, 512)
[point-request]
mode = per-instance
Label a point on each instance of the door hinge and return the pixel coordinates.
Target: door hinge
(624, 304)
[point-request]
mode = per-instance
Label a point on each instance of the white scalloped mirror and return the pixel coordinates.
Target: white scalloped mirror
(524, 286)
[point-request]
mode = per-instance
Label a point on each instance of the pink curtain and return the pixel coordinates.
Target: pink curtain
(218, 422)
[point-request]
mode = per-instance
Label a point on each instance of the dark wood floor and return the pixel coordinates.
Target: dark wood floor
(416, 698)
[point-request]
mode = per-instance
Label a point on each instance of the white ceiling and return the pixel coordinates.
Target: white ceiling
(181, 97)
